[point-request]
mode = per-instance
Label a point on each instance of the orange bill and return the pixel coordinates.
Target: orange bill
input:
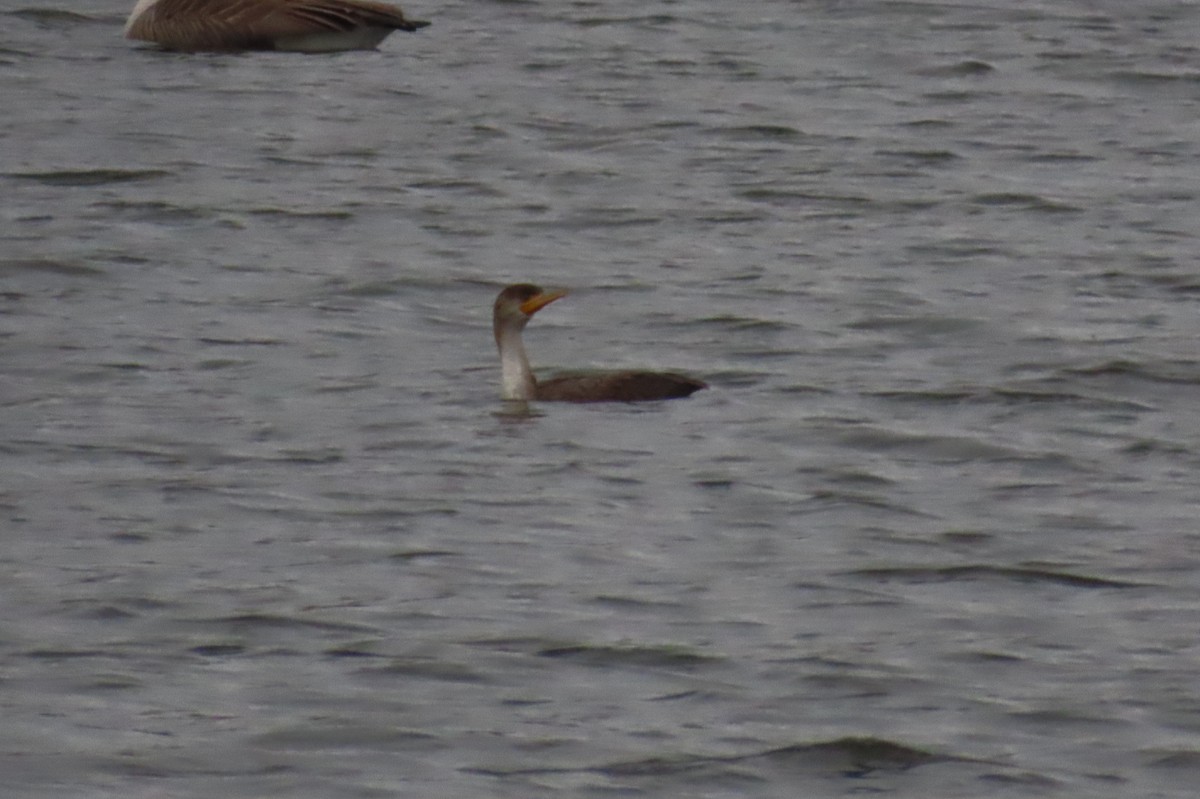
(535, 304)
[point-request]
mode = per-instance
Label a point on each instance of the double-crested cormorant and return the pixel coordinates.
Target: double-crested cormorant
(513, 309)
(308, 26)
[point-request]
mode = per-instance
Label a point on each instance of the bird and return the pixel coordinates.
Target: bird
(306, 26)
(513, 309)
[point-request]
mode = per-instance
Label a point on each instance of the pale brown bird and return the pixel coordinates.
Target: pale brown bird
(306, 26)
(513, 309)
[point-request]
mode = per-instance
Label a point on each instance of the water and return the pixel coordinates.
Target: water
(268, 531)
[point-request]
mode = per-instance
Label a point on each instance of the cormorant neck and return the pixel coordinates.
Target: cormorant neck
(518, 380)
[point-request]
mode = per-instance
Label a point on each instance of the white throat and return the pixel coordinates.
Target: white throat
(518, 381)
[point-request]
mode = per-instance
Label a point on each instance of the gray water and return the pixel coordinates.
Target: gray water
(268, 531)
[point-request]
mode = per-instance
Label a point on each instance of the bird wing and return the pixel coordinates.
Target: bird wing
(238, 24)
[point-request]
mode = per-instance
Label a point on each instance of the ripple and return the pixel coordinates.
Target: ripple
(1185, 372)
(429, 669)
(1031, 202)
(988, 572)
(856, 756)
(51, 17)
(1186, 759)
(90, 177)
(631, 656)
(250, 622)
(350, 736)
(762, 132)
(931, 446)
(49, 266)
(849, 756)
(967, 68)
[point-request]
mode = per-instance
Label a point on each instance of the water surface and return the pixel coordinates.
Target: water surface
(268, 530)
